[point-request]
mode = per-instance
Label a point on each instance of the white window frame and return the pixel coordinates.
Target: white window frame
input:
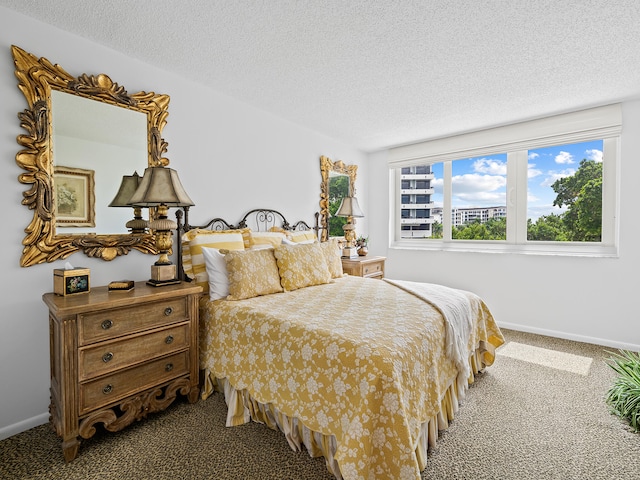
(601, 123)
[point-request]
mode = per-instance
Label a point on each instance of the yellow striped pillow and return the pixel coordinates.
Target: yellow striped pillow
(303, 236)
(193, 241)
(266, 239)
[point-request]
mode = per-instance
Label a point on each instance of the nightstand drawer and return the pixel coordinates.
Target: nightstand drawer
(110, 324)
(371, 270)
(117, 386)
(106, 357)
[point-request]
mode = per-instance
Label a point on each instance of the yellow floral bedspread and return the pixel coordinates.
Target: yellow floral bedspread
(359, 359)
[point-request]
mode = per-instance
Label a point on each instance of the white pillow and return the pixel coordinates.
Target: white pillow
(217, 273)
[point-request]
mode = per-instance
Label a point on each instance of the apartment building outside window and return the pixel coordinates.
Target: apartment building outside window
(416, 203)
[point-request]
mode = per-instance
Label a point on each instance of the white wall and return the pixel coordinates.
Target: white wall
(230, 157)
(586, 299)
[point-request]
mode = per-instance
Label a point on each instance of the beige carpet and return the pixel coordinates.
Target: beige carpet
(520, 420)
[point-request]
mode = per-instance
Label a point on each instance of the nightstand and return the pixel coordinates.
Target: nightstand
(117, 356)
(367, 266)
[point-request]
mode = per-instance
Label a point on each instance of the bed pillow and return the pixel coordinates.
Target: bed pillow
(252, 273)
(333, 256)
(191, 234)
(195, 240)
(266, 239)
(216, 268)
(301, 266)
(303, 236)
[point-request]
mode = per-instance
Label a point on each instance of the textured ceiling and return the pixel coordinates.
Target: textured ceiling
(378, 73)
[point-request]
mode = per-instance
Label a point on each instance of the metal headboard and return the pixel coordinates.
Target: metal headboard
(258, 219)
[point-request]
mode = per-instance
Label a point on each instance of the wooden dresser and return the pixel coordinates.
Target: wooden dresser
(367, 266)
(117, 356)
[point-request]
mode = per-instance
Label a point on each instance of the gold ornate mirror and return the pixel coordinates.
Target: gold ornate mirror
(338, 181)
(56, 230)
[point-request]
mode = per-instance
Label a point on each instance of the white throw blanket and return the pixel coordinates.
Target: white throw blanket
(455, 307)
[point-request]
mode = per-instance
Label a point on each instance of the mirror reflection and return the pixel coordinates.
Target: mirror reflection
(108, 141)
(338, 181)
(338, 189)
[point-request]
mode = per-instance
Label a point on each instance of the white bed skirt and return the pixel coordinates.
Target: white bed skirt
(242, 408)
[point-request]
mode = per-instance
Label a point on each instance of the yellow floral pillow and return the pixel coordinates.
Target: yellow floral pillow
(301, 265)
(252, 273)
(333, 255)
(195, 240)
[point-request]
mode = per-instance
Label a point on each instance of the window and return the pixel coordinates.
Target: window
(545, 186)
(564, 192)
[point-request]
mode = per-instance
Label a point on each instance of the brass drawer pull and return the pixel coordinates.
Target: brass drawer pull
(168, 367)
(107, 324)
(107, 389)
(168, 311)
(106, 358)
(169, 339)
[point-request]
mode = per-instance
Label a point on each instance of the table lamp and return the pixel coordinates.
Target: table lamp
(349, 208)
(160, 187)
(127, 188)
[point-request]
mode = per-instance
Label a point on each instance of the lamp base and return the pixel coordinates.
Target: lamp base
(163, 275)
(350, 252)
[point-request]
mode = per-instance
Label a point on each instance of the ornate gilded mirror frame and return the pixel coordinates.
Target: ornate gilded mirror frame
(327, 166)
(36, 79)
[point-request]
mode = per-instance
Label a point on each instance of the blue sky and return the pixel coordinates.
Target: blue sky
(481, 181)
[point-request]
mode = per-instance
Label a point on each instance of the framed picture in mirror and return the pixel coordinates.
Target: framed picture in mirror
(74, 197)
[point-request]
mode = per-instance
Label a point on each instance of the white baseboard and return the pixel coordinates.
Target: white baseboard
(571, 336)
(23, 426)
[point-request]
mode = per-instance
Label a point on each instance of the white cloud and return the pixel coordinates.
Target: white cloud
(594, 155)
(538, 211)
(564, 158)
(473, 189)
(532, 171)
(473, 182)
(533, 155)
(553, 175)
(479, 199)
(437, 185)
(490, 166)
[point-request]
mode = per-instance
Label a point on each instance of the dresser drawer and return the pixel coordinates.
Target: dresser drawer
(114, 387)
(105, 357)
(94, 327)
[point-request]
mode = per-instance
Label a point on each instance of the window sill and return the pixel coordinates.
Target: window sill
(569, 249)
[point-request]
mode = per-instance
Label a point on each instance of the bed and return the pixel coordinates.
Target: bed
(364, 372)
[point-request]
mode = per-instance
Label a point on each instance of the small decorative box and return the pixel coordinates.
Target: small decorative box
(121, 285)
(70, 281)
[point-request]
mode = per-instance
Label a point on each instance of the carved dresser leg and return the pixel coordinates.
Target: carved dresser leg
(70, 449)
